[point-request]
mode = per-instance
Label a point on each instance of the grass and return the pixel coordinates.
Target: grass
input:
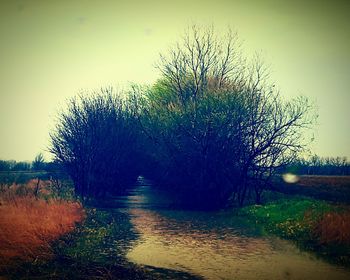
(334, 228)
(40, 237)
(29, 223)
(95, 250)
(103, 238)
(39, 233)
(316, 225)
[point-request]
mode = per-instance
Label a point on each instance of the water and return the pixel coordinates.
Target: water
(214, 245)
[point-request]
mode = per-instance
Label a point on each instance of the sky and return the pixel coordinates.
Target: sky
(52, 50)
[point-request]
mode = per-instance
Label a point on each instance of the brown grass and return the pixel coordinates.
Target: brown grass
(29, 224)
(334, 228)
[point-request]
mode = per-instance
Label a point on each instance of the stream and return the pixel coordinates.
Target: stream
(214, 245)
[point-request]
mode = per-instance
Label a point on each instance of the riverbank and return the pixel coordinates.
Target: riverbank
(45, 237)
(31, 218)
(204, 243)
(95, 250)
(315, 225)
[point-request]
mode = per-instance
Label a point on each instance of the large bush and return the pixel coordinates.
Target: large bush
(96, 140)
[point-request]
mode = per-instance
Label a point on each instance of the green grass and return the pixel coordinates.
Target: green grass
(290, 218)
(295, 218)
(103, 238)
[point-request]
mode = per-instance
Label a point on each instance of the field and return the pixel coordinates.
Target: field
(20, 177)
(314, 211)
(330, 188)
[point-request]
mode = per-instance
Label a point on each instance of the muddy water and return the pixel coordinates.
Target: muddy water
(215, 245)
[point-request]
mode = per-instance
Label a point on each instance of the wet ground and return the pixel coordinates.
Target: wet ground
(214, 245)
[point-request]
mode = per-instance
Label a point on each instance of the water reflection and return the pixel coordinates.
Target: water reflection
(215, 245)
(200, 243)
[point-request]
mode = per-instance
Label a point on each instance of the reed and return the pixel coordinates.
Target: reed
(29, 224)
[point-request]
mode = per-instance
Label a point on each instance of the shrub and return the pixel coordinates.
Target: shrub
(96, 141)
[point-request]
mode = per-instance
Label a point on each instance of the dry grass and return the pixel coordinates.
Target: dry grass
(334, 228)
(29, 224)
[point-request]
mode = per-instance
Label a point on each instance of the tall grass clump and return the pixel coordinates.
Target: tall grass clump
(334, 228)
(30, 222)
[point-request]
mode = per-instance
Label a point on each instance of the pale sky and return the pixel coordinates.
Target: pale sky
(51, 50)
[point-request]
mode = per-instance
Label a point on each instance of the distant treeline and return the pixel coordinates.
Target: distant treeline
(317, 165)
(20, 172)
(12, 165)
(38, 164)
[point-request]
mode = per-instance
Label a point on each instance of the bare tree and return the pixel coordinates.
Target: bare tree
(202, 60)
(237, 127)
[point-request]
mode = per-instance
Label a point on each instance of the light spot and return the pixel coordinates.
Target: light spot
(290, 178)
